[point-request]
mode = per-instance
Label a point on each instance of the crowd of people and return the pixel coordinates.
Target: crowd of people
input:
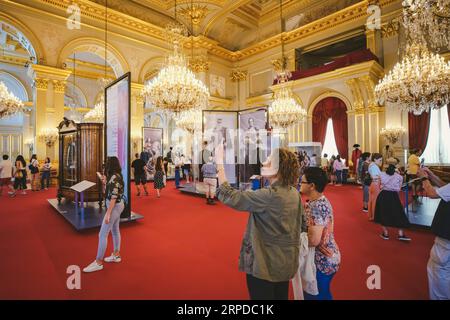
(281, 215)
(13, 176)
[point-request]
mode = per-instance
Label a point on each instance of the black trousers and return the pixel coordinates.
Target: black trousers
(260, 289)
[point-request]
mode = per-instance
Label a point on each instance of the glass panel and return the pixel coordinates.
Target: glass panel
(69, 174)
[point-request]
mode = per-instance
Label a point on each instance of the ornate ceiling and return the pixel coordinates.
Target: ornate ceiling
(235, 24)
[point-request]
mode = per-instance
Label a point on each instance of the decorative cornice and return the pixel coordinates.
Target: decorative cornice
(51, 73)
(238, 75)
(262, 100)
(59, 86)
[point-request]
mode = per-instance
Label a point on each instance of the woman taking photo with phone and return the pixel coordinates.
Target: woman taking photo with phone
(270, 248)
(115, 205)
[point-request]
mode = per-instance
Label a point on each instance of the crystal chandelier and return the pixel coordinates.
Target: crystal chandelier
(420, 81)
(176, 88)
(428, 20)
(284, 110)
(393, 134)
(49, 136)
(96, 115)
(9, 103)
(189, 120)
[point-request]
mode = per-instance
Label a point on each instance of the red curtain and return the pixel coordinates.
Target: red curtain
(335, 109)
(418, 127)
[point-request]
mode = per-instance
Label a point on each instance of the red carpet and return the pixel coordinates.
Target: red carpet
(184, 249)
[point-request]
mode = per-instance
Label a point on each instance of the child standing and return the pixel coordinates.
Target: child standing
(209, 171)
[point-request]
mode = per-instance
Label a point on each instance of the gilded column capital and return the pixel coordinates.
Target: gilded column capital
(59, 86)
(238, 75)
(369, 85)
(200, 64)
(358, 102)
(390, 29)
(41, 83)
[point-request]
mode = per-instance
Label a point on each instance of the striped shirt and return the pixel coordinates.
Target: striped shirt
(209, 170)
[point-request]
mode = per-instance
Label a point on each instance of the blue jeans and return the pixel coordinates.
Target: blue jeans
(323, 285)
(177, 177)
(112, 226)
(45, 177)
(339, 176)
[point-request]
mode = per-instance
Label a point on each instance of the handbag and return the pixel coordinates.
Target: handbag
(367, 179)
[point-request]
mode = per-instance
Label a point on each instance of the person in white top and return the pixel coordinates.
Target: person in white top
(438, 267)
(375, 186)
(5, 173)
(338, 166)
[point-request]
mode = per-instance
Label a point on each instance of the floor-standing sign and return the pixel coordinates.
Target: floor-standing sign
(117, 129)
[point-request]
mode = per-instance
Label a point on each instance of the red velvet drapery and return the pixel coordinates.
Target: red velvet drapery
(418, 127)
(335, 109)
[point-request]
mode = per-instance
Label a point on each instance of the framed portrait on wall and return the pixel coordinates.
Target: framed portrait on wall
(254, 142)
(221, 127)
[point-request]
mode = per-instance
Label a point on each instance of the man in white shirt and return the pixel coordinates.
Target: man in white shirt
(5, 173)
(438, 266)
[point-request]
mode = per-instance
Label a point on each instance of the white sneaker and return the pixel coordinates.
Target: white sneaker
(94, 266)
(113, 258)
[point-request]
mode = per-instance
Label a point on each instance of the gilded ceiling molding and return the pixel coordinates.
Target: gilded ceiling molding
(95, 46)
(196, 13)
(96, 12)
(233, 5)
(238, 75)
(390, 29)
(27, 32)
(358, 101)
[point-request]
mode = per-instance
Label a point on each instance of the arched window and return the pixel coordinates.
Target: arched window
(329, 146)
(437, 151)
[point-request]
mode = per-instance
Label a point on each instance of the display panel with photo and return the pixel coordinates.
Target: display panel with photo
(152, 144)
(221, 127)
(254, 143)
(117, 129)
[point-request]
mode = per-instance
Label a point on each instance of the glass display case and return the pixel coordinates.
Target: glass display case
(81, 157)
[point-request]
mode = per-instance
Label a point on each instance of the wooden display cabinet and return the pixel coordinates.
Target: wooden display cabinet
(80, 158)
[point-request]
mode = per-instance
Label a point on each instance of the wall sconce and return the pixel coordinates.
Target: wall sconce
(393, 134)
(49, 136)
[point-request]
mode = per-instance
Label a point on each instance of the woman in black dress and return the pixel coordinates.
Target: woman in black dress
(389, 210)
(159, 176)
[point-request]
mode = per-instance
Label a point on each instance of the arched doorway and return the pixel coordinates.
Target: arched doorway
(331, 111)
